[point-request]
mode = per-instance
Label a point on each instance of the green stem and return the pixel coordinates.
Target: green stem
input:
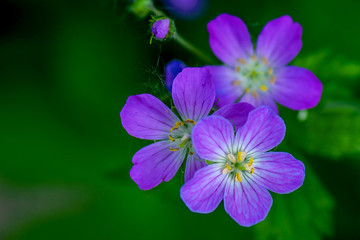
(191, 48)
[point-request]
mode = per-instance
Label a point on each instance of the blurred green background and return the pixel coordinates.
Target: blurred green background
(66, 70)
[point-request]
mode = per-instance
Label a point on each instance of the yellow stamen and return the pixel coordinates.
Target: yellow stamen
(252, 170)
(253, 57)
(191, 153)
(251, 161)
(265, 61)
(254, 93)
(263, 88)
(270, 71)
(272, 80)
(190, 121)
(237, 82)
(241, 60)
(238, 177)
(237, 69)
(231, 158)
(173, 128)
(247, 90)
(227, 166)
(225, 171)
(174, 149)
(171, 138)
(241, 156)
(178, 124)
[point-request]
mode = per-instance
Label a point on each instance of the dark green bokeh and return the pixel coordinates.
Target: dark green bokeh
(66, 70)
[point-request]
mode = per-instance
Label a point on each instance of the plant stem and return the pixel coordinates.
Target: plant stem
(191, 48)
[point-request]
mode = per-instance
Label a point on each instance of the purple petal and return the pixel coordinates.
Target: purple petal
(224, 78)
(193, 93)
(193, 163)
(279, 172)
(246, 202)
(204, 192)
(229, 39)
(279, 41)
(172, 69)
(262, 99)
(236, 113)
(213, 138)
(263, 131)
(160, 28)
(155, 163)
(297, 88)
(144, 116)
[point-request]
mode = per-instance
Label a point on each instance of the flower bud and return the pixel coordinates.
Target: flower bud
(160, 28)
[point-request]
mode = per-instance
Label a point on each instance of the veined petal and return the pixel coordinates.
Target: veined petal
(225, 79)
(155, 163)
(263, 131)
(279, 172)
(236, 113)
(262, 99)
(193, 163)
(144, 116)
(193, 93)
(213, 138)
(229, 39)
(204, 192)
(297, 88)
(279, 41)
(246, 202)
(172, 69)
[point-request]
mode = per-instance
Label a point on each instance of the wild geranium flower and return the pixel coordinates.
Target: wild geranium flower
(242, 168)
(261, 77)
(172, 69)
(144, 116)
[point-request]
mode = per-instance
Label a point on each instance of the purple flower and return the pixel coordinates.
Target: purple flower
(172, 69)
(144, 116)
(160, 28)
(242, 171)
(186, 9)
(261, 77)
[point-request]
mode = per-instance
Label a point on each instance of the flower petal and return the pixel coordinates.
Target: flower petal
(213, 138)
(172, 69)
(160, 28)
(229, 39)
(263, 131)
(204, 192)
(193, 93)
(236, 113)
(246, 202)
(193, 163)
(279, 172)
(262, 99)
(144, 116)
(224, 78)
(279, 41)
(297, 88)
(155, 163)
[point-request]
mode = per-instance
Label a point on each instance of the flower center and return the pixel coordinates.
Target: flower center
(254, 75)
(238, 166)
(180, 134)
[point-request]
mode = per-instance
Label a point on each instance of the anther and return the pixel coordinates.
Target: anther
(173, 128)
(251, 161)
(191, 153)
(174, 149)
(272, 80)
(241, 60)
(237, 82)
(247, 90)
(270, 72)
(254, 93)
(178, 124)
(171, 138)
(265, 61)
(241, 156)
(227, 166)
(263, 88)
(190, 121)
(252, 170)
(237, 69)
(231, 158)
(238, 177)
(253, 57)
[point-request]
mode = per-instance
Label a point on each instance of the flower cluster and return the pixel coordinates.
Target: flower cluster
(225, 145)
